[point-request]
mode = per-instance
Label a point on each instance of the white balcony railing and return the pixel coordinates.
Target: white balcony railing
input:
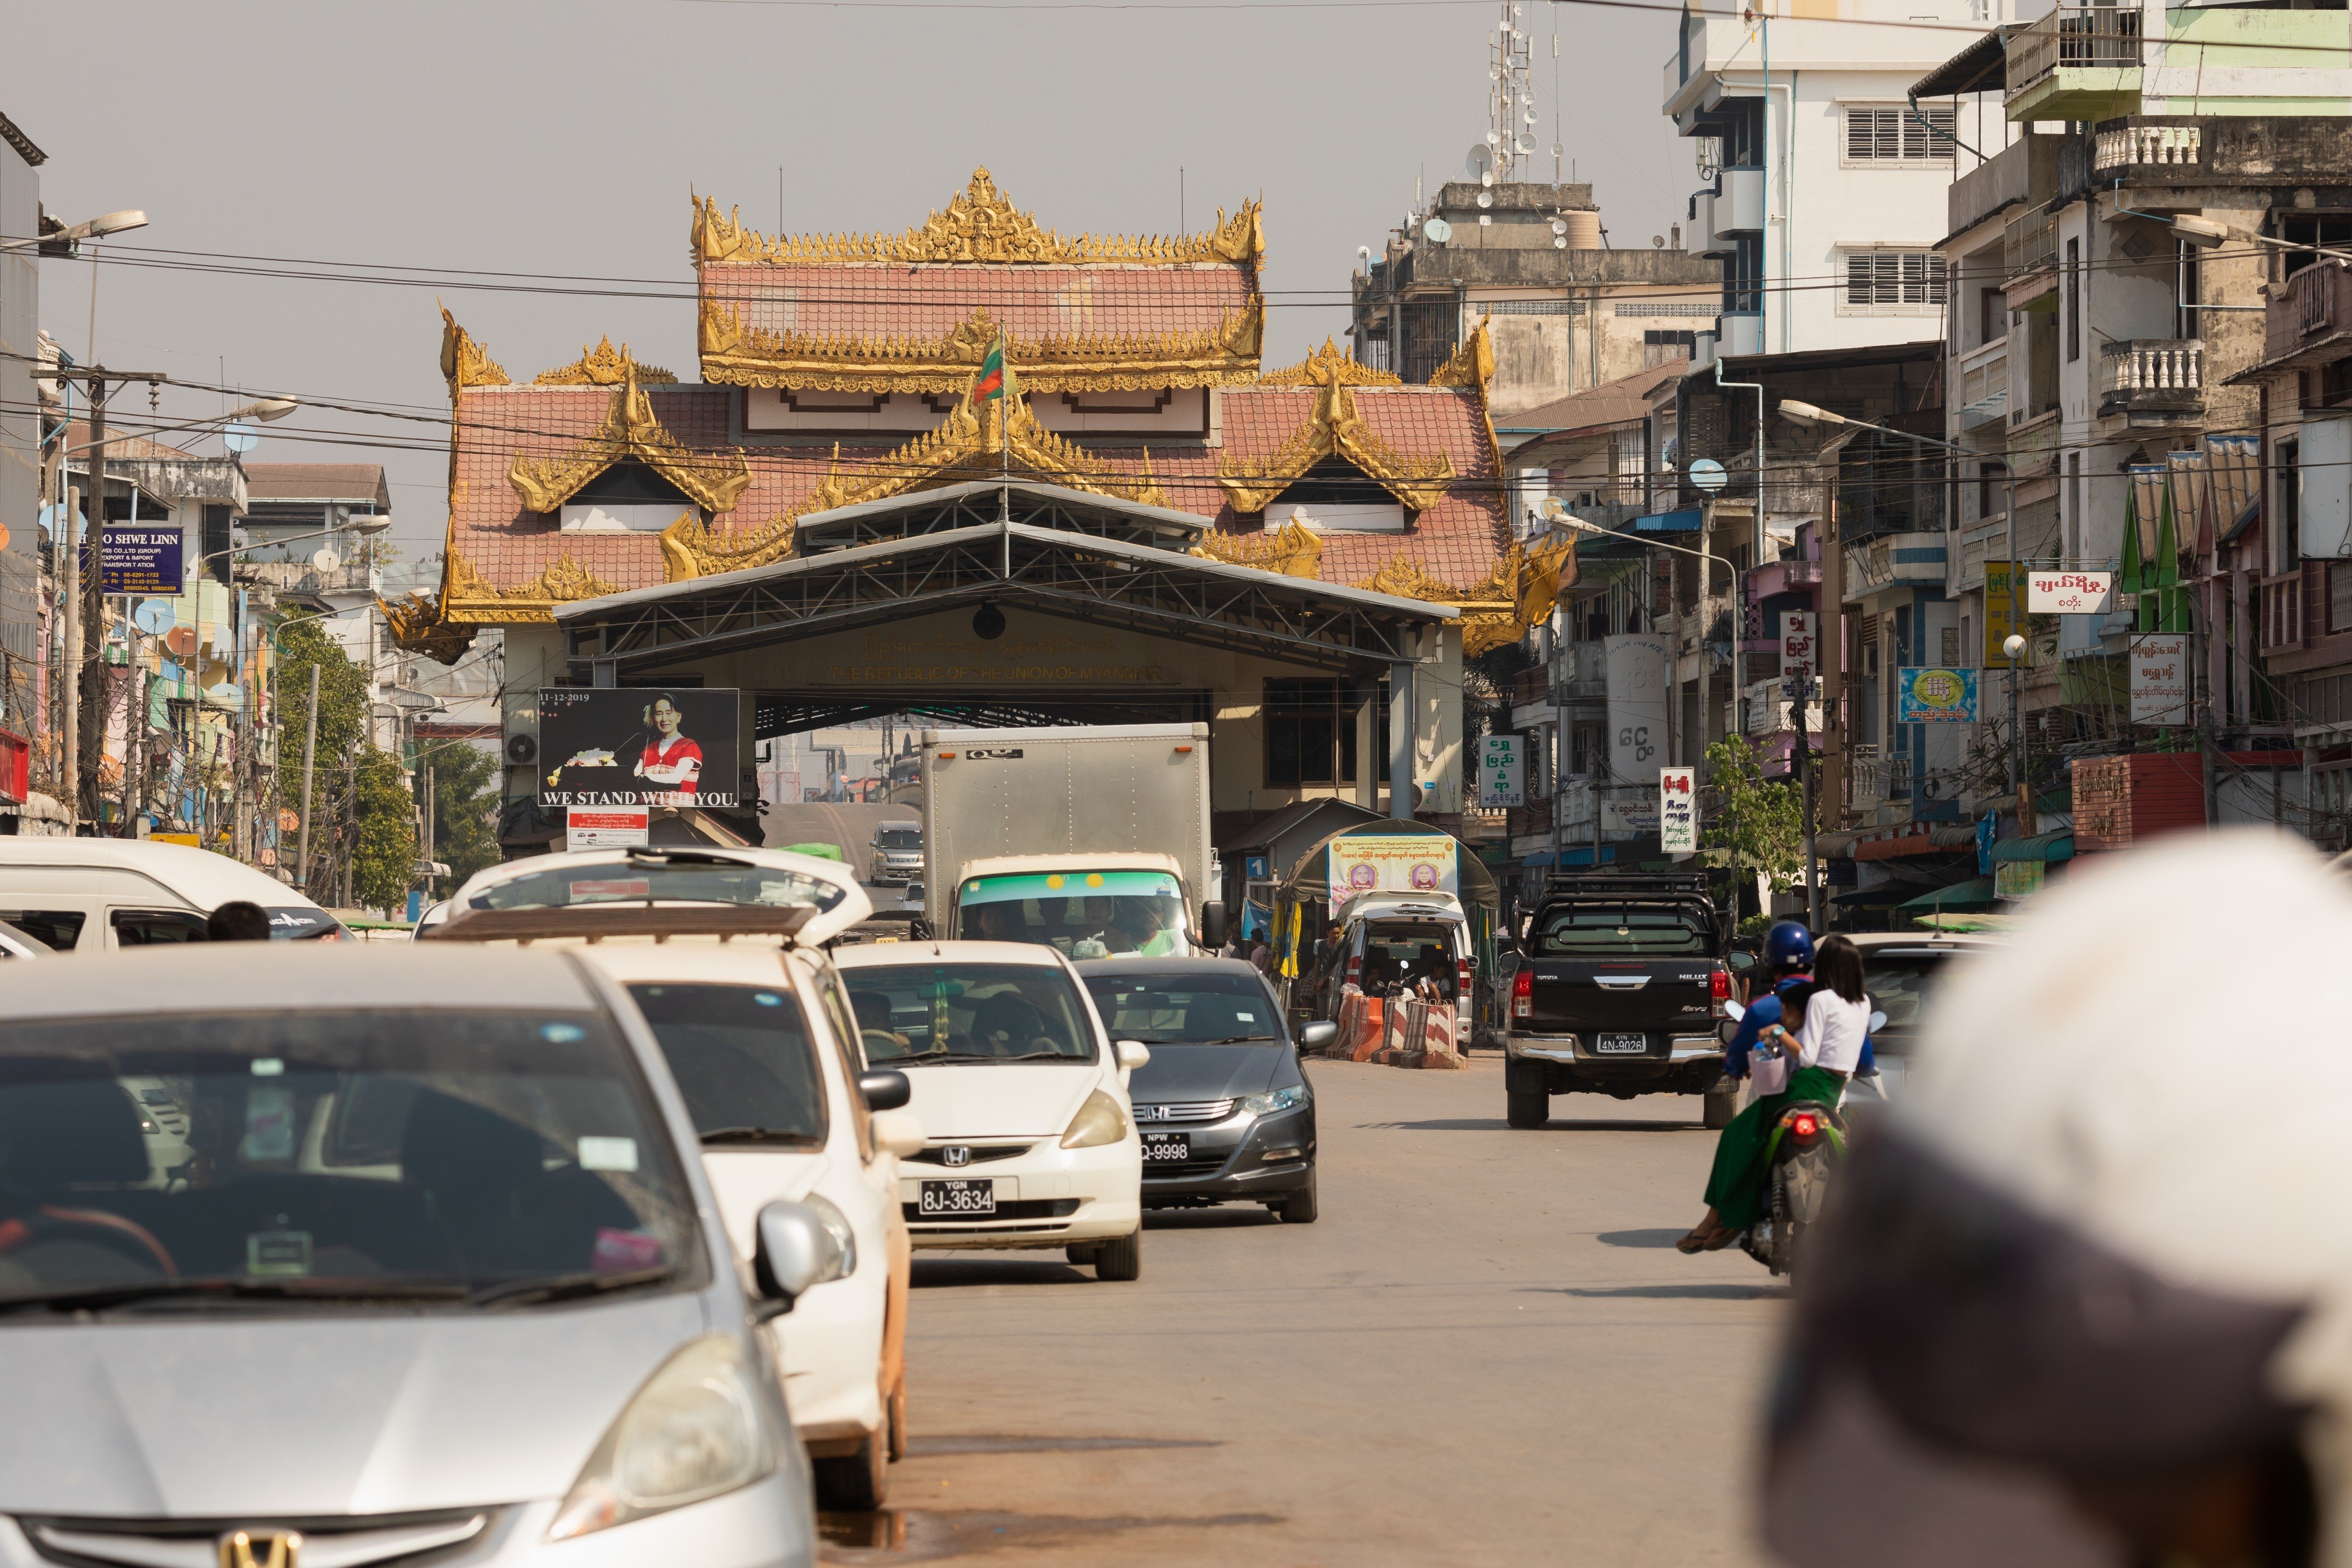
(2132, 146)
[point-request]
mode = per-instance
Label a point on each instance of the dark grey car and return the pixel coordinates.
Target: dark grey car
(1225, 1114)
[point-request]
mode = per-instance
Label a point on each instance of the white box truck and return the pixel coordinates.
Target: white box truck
(1091, 840)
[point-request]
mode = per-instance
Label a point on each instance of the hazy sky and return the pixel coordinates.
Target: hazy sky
(560, 139)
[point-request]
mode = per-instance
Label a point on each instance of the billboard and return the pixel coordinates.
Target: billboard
(2159, 678)
(1392, 863)
(2068, 592)
(1936, 696)
(139, 558)
(631, 745)
(1502, 772)
(1636, 666)
(1677, 811)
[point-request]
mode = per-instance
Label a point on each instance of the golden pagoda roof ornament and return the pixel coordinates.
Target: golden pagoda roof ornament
(631, 432)
(1329, 363)
(603, 366)
(978, 226)
(463, 361)
(1335, 429)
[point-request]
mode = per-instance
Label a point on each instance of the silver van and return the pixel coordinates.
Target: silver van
(88, 895)
(428, 1274)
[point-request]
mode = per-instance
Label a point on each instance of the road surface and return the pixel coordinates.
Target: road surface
(850, 826)
(1486, 1352)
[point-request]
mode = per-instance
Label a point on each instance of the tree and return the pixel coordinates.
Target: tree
(466, 785)
(383, 848)
(1761, 822)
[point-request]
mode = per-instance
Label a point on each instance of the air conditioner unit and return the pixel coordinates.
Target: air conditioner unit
(522, 751)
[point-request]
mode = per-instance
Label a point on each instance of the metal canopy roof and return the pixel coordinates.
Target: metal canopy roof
(987, 502)
(1077, 576)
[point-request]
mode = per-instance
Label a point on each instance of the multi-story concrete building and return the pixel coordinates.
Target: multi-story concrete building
(1566, 310)
(1820, 183)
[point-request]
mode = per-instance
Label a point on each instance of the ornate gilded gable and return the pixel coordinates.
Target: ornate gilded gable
(463, 361)
(1292, 550)
(630, 431)
(603, 366)
(978, 226)
(1335, 429)
(1327, 364)
(692, 548)
(1516, 594)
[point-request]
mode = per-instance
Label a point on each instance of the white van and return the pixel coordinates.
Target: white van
(1393, 939)
(91, 895)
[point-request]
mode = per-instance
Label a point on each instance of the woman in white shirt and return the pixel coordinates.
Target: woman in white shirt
(1837, 1018)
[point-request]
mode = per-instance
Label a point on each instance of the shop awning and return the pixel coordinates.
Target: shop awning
(1975, 893)
(1686, 521)
(2052, 847)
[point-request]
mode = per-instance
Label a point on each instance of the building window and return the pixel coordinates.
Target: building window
(1896, 136)
(1993, 489)
(1893, 283)
(1310, 734)
(2339, 597)
(2287, 546)
(2073, 300)
(1658, 346)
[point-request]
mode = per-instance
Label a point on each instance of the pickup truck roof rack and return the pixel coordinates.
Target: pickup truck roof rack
(1658, 885)
(594, 923)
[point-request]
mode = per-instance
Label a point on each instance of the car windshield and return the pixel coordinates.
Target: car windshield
(1402, 954)
(1214, 1007)
(743, 1060)
(921, 1015)
(687, 878)
(1601, 931)
(333, 1157)
(297, 922)
(1900, 982)
(900, 839)
(1081, 914)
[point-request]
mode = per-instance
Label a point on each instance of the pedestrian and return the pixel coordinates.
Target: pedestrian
(237, 921)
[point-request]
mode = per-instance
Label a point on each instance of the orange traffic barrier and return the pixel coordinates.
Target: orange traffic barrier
(1423, 1036)
(1361, 1027)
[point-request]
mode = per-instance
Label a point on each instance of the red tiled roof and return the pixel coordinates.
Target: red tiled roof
(1457, 541)
(877, 303)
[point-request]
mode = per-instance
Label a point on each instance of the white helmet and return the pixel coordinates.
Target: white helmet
(2086, 1297)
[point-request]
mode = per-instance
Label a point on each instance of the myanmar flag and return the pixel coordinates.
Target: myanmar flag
(992, 377)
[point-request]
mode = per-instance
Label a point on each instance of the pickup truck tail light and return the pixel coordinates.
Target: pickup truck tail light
(1461, 981)
(1719, 986)
(1523, 994)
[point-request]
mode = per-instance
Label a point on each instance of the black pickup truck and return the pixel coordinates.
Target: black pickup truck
(1620, 991)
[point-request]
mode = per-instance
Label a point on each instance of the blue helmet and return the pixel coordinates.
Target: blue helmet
(1789, 945)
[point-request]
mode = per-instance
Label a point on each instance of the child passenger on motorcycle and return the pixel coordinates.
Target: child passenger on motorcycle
(1735, 1185)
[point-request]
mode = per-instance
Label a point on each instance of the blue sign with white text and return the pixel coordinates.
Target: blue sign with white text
(139, 558)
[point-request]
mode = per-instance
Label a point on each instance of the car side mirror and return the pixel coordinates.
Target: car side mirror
(1129, 1053)
(794, 1254)
(884, 1089)
(898, 1132)
(1315, 1037)
(1212, 924)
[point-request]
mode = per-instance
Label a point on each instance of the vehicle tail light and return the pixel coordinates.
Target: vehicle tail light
(1719, 988)
(1356, 969)
(1523, 994)
(1805, 1126)
(1461, 978)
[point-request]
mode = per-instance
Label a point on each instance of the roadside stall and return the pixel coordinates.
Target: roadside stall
(1401, 915)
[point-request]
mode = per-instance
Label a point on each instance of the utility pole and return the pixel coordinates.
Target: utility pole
(69, 661)
(310, 747)
(89, 667)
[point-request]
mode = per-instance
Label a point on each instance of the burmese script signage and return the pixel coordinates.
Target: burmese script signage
(2067, 593)
(628, 745)
(2159, 678)
(1392, 863)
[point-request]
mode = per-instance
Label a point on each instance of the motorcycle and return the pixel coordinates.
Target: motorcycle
(1806, 1142)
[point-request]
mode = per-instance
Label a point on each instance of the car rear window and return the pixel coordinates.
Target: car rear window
(741, 1057)
(1622, 933)
(1186, 1009)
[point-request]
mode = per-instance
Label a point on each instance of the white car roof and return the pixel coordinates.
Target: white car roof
(205, 880)
(1390, 906)
(216, 976)
(681, 960)
(877, 955)
(855, 906)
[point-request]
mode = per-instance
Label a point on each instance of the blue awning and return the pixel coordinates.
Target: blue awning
(2052, 847)
(1669, 522)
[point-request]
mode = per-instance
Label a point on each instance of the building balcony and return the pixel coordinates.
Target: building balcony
(1739, 332)
(1580, 674)
(2080, 62)
(1786, 575)
(1740, 208)
(2137, 144)
(2311, 309)
(1987, 539)
(1895, 560)
(1984, 386)
(2030, 254)
(2033, 445)
(2153, 381)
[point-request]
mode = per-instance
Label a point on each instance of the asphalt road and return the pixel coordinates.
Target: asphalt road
(849, 825)
(1486, 1352)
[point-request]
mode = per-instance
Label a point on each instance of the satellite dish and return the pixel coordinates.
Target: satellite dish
(1437, 230)
(326, 560)
(1707, 474)
(1480, 160)
(1560, 225)
(181, 641)
(153, 616)
(1486, 198)
(239, 436)
(225, 694)
(1558, 243)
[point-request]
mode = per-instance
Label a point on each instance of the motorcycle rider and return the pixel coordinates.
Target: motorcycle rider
(2084, 1296)
(1789, 954)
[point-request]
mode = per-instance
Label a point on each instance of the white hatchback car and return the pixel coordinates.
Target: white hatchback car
(1029, 1138)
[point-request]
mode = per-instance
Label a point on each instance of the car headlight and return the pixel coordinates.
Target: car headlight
(834, 1220)
(693, 1431)
(1099, 1121)
(1275, 1099)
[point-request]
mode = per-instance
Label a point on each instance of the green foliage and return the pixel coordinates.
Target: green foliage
(465, 798)
(342, 698)
(1761, 822)
(383, 851)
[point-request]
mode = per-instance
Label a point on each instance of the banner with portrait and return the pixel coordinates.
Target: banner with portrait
(631, 745)
(1394, 863)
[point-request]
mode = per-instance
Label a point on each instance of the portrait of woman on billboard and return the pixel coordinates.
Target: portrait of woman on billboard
(671, 762)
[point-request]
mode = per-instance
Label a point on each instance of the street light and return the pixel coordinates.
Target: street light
(93, 228)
